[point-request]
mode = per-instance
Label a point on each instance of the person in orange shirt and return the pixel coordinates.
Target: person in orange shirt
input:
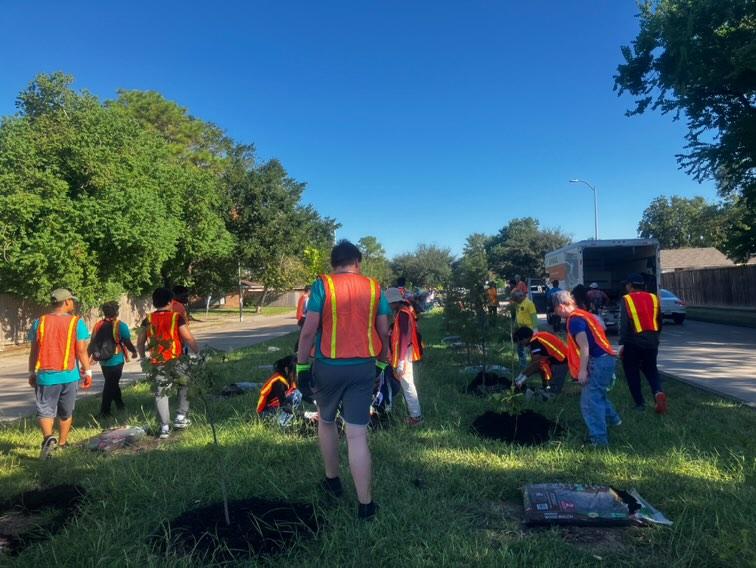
(57, 361)
(302, 306)
(493, 299)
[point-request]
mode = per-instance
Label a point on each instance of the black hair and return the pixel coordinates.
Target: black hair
(285, 365)
(110, 309)
(181, 294)
(512, 282)
(307, 288)
(555, 283)
(580, 294)
(161, 297)
(522, 333)
(401, 282)
(345, 254)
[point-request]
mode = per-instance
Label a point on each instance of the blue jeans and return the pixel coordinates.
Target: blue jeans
(594, 404)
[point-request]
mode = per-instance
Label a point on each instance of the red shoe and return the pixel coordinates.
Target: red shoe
(661, 403)
(414, 421)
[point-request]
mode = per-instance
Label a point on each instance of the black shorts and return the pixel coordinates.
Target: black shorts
(351, 385)
(56, 400)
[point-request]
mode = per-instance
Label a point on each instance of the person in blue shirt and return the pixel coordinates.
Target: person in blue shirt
(112, 368)
(57, 361)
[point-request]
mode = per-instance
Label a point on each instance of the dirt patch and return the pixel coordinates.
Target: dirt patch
(528, 428)
(486, 383)
(259, 527)
(32, 516)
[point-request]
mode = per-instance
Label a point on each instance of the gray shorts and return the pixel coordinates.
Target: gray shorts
(351, 385)
(56, 400)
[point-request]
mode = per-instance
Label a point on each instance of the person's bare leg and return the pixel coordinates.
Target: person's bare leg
(360, 462)
(46, 425)
(328, 437)
(65, 427)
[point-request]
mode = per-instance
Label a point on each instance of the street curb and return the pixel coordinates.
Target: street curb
(709, 390)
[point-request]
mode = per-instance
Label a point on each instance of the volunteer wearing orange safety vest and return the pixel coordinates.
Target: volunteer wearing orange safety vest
(165, 333)
(278, 391)
(406, 349)
(57, 361)
(640, 325)
(302, 306)
(548, 357)
(591, 361)
(347, 324)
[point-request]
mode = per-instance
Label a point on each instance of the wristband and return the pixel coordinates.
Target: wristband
(303, 367)
(381, 365)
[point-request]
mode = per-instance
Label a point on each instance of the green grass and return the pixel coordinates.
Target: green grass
(696, 464)
(734, 316)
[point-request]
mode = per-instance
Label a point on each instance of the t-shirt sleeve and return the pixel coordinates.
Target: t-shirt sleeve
(317, 297)
(33, 331)
(82, 333)
(124, 331)
(536, 348)
(384, 308)
(181, 320)
(577, 325)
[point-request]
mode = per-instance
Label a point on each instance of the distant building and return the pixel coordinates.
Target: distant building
(691, 258)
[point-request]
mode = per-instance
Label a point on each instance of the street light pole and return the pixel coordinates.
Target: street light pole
(595, 205)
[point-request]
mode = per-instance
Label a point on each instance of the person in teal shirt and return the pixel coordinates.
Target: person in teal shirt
(112, 368)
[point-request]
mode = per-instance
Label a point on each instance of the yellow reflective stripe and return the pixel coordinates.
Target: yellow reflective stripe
(655, 301)
(334, 315)
(174, 343)
(71, 327)
(633, 314)
(371, 319)
(554, 347)
(40, 336)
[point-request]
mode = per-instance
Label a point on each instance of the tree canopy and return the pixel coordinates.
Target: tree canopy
(678, 222)
(428, 266)
(697, 59)
(374, 261)
(520, 248)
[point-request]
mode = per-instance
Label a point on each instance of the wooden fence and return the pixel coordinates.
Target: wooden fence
(733, 286)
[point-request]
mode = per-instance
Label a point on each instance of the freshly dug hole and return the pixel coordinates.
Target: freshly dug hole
(493, 383)
(528, 428)
(258, 527)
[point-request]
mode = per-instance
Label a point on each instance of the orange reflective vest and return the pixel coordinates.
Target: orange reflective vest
(301, 303)
(348, 317)
(643, 310)
(266, 390)
(163, 329)
(56, 342)
(116, 336)
(417, 348)
(599, 336)
(556, 349)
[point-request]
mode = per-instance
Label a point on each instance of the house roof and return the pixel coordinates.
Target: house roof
(678, 259)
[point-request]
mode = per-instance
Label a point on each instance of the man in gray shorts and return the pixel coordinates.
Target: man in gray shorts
(347, 324)
(57, 361)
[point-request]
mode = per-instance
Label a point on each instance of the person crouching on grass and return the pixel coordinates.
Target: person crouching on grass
(548, 357)
(279, 396)
(57, 361)
(592, 361)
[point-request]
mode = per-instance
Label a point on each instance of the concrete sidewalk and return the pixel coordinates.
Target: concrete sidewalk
(17, 397)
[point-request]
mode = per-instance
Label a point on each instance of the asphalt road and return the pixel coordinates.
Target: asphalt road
(17, 397)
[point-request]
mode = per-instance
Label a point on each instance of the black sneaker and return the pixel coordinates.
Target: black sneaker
(367, 512)
(332, 486)
(49, 444)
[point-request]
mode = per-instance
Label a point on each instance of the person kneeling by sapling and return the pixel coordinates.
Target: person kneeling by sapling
(548, 357)
(279, 396)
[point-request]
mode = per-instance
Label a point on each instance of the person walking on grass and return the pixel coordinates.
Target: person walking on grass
(302, 306)
(591, 360)
(57, 362)
(525, 316)
(406, 350)
(640, 325)
(347, 325)
(110, 345)
(165, 333)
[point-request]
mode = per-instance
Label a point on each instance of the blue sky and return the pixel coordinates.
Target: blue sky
(419, 121)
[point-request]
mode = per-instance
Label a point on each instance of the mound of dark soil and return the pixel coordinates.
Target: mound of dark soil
(486, 383)
(32, 516)
(528, 428)
(258, 527)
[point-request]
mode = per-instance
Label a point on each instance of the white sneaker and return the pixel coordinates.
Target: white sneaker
(165, 431)
(181, 422)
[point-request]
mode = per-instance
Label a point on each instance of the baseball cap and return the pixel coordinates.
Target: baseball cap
(394, 295)
(593, 285)
(61, 295)
(634, 278)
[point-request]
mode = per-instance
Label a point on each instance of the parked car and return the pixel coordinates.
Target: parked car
(672, 307)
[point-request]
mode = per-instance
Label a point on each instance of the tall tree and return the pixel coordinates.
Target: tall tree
(427, 266)
(685, 222)
(374, 261)
(520, 248)
(697, 58)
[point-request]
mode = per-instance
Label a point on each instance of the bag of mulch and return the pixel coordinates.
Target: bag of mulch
(117, 438)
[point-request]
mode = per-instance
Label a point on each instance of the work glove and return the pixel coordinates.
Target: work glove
(520, 380)
(86, 380)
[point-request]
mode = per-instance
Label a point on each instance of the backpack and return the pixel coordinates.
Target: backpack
(104, 345)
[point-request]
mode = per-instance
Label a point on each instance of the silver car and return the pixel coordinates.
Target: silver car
(672, 307)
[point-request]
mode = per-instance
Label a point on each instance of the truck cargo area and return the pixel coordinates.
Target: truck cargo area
(609, 266)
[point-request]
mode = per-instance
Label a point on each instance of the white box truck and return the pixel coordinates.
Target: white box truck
(607, 263)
